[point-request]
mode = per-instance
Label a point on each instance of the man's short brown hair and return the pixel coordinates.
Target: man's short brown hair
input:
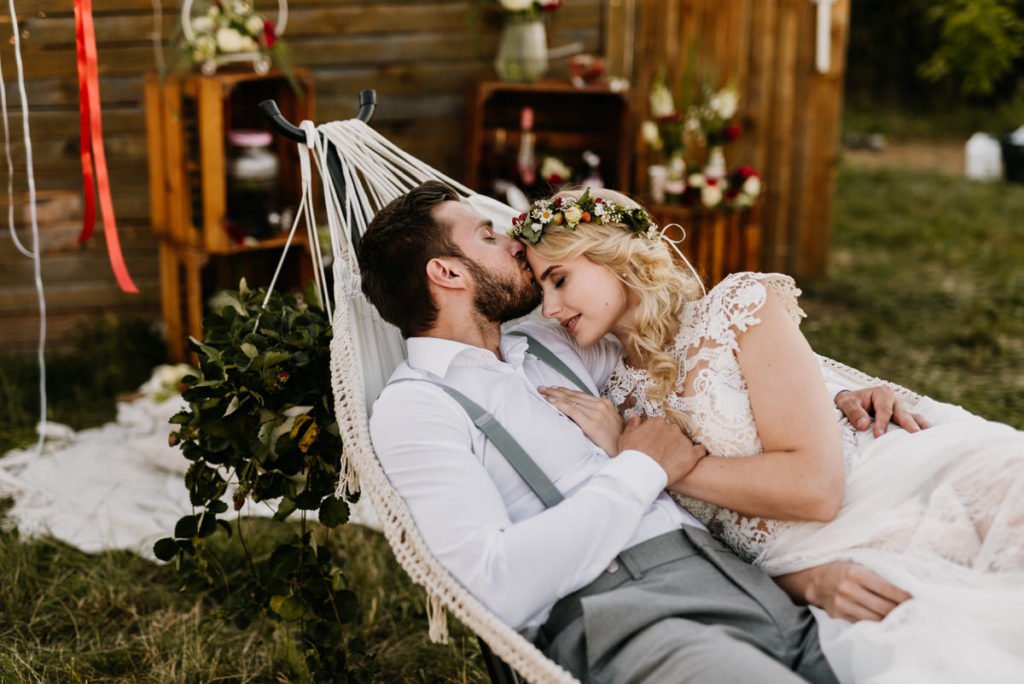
(394, 252)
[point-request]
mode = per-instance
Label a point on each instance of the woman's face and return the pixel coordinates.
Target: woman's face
(585, 297)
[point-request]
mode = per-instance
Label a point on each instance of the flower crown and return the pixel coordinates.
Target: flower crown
(569, 212)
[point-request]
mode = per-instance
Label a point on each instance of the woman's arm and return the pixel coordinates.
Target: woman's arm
(800, 475)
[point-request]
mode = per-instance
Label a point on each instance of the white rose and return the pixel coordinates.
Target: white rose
(725, 103)
(662, 104)
(213, 12)
(229, 40)
(711, 195)
(202, 25)
(696, 180)
(573, 215)
(649, 131)
(516, 5)
(205, 47)
(240, 7)
(752, 186)
(254, 25)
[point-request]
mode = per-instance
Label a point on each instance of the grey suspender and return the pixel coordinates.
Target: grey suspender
(514, 453)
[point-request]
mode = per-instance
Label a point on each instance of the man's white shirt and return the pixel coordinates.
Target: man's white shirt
(474, 511)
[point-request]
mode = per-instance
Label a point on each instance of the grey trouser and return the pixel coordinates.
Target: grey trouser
(683, 608)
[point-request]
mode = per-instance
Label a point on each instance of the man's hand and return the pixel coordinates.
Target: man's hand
(844, 590)
(665, 443)
(859, 405)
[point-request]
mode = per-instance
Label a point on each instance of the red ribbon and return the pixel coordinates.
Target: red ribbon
(91, 133)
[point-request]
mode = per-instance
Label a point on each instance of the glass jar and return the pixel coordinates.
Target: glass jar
(522, 50)
(253, 204)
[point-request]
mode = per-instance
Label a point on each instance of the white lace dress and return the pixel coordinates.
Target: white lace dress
(939, 513)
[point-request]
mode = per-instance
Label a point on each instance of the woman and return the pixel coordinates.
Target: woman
(938, 512)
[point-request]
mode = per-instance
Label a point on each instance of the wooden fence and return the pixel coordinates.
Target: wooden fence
(789, 112)
(419, 55)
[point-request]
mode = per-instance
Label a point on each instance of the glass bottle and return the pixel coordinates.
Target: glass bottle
(252, 183)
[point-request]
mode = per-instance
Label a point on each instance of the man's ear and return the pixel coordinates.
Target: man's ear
(446, 272)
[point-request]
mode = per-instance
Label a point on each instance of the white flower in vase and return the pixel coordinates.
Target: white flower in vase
(254, 25)
(230, 40)
(752, 187)
(711, 194)
(651, 136)
(516, 5)
(725, 102)
(662, 104)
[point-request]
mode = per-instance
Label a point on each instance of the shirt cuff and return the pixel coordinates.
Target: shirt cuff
(640, 473)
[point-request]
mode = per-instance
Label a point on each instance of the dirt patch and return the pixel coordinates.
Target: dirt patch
(945, 157)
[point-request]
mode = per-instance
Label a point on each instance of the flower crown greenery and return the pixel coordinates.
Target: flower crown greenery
(569, 212)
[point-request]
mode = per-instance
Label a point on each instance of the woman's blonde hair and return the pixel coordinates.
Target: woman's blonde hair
(647, 268)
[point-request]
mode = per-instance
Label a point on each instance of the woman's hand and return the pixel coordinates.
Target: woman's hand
(597, 417)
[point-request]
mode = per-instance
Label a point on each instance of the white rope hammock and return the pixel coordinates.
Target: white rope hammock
(365, 350)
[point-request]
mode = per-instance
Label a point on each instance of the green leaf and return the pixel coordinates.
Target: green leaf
(286, 508)
(186, 527)
(289, 608)
(165, 549)
(250, 350)
(333, 511)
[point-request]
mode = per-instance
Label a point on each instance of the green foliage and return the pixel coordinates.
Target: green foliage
(925, 287)
(934, 54)
(260, 425)
(980, 41)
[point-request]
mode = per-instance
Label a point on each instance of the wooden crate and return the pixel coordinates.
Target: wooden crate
(187, 125)
(716, 241)
(568, 121)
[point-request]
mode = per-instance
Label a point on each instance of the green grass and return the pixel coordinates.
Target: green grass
(105, 359)
(926, 289)
(956, 122)
(115, 617)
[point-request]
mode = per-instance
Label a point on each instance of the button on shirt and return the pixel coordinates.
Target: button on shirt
(475, 513)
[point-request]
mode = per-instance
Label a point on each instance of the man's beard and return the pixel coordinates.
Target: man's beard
(500, 297)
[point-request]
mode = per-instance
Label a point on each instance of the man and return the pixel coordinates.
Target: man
(612, 579)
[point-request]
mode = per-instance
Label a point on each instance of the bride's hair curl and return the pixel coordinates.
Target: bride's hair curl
(647, 268)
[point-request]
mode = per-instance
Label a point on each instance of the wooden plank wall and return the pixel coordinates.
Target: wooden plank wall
(790, 113)
(419, 55)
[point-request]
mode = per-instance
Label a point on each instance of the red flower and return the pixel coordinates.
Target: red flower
(733, 132)
(746, 171)
(521, 218)
(269, 36)
(598, 200)
(283, 376)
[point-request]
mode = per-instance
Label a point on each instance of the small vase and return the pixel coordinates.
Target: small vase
(522, 50)
(716, 163)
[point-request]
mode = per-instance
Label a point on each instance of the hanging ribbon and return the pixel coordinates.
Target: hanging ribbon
(93, 155)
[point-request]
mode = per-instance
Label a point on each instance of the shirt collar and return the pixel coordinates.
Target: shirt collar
(436, 355)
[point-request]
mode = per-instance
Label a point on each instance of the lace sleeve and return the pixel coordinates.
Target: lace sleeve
(739, 298)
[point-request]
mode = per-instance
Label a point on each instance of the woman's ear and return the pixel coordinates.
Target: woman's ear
(446, 273)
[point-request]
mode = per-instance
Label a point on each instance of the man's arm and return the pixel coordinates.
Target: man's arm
(424, 441)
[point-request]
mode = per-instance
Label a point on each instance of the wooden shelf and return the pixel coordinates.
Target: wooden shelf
(568, 121)
(716, 241)
(188, 119)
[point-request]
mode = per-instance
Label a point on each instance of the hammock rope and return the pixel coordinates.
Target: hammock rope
(365, 350)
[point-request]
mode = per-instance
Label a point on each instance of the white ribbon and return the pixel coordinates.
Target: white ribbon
(673, 244)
